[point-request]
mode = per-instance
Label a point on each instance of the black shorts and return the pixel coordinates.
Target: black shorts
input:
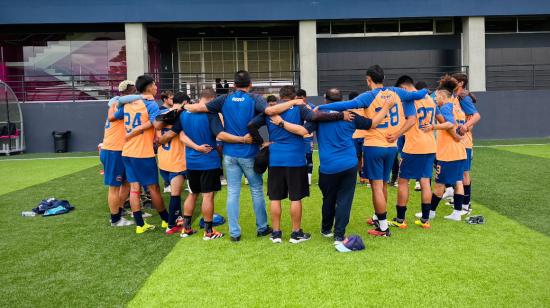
(287, 182)
(204, 181)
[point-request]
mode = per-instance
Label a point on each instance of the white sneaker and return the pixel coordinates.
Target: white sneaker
(223, 181)
(455, 215)
(419, 215)
(329, 234)
(449, 193)
(337, 243)
(122, 222)
(143, 214)
(417, 186)
(167, 189)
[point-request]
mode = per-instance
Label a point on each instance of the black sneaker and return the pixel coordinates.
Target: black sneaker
(299, 236)
(235, 238)
(276, 237)
(327, 233)
(267, 231)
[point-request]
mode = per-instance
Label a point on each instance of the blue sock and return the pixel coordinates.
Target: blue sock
(401, 210)
(435, 202)
(467, 191)
(174, 210)
(138, 218)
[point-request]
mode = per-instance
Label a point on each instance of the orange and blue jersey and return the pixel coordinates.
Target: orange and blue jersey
(114, 135)
(448, 149)
(134, 114)
(171, 155)
(372, 103)
(417, 141)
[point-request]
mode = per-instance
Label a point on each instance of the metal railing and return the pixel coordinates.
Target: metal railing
(65, 87)
(193, 83)
(518, 77)
(348, 80)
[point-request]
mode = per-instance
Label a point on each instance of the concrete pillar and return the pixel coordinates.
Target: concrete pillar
(473, 51)
(137, 56)
(307, 37)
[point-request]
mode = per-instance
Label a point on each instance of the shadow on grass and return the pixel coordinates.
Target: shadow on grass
(74, 258)
(515, 185)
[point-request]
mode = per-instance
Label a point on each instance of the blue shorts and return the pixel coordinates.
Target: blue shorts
(141, 170)
(113, 167)
(165, 175)
(379, 162)
(468, 161)
(416, 166)
(358, 142)
(449, 172)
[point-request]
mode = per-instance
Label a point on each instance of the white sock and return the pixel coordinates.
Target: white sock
(383, 224)
(432, 213)
(374, 217)
(466, 206)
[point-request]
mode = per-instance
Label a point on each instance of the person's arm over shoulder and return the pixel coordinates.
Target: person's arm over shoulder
(361, 122)
(128, 98)
(254, 128)
(259, 103)
(362, 101)
(118, 114)
(468, 105)
(215, 123)
(215, 105)
(319, 116)
(177, 127)
(405, 95)
(152, 109)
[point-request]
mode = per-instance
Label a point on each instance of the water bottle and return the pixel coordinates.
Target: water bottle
(28, 214)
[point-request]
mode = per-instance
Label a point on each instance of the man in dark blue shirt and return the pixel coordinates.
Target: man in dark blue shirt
(287, 176)
(338, 165)
(238, 108)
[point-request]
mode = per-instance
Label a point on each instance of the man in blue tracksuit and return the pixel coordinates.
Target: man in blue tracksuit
(338, 167)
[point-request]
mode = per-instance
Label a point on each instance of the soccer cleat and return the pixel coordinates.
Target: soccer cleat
(146, 227)
(167, 189)
(212, 235)
(276, 237)
(187, 232)
(455, 215)
(164, 224)
(400, 223)
(179, 221)
(122, 222)
(423, 225)
(378, 232)
(267, 231)
(419, 215)
(174, 230)
(372, 222)
(417, 186)
(327, 233)
(299, 236)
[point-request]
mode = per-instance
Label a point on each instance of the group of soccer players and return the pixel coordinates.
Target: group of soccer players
(357, 136)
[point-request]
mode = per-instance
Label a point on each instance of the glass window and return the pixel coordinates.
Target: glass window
(444, 25)
(342, 27)
(416, 25)
(534, 24)
(323, 27)
(500, 24)
(374, 26)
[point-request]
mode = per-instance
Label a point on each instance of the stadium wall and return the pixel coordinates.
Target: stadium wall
(505, 114)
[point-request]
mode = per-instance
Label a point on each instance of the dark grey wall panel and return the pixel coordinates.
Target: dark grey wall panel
(85, 120)
(505, 114)
(342, 61)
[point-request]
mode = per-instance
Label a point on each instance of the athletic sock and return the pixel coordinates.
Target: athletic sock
(467, 191)
(401, 210)
(208, 226)
(187, 221)
(164, 215)
(115, 217)
(435, 202)
(174, 210)
(382, 222)
(458, 199)
(138, 218)
(426, 211)
(120, 211)
(374, 217)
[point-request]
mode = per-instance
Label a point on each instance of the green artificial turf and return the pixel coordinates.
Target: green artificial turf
(78, 260)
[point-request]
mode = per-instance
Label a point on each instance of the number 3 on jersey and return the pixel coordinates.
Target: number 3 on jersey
(135, 122)
(394, 117)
